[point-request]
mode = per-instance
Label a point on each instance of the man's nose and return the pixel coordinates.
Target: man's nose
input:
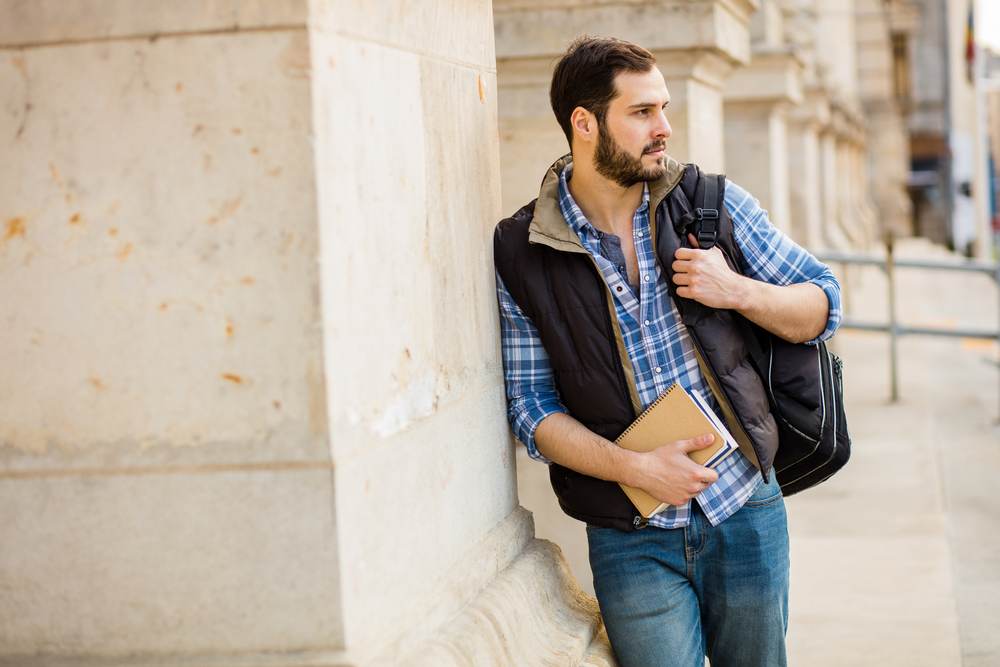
(662, 129)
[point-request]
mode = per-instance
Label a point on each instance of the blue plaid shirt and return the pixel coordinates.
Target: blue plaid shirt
(658, 344)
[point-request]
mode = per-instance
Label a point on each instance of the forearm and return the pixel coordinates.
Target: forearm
(564, 440)
(797, 312)
(666, 473)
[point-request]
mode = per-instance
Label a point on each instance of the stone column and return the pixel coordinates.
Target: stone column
(252, 408)
(847, 218)
(806, 169)
(697, 44)
(832, 205)
(888, 155)
(855, 212)
(888, 149)
(758, 99)
(165, 471)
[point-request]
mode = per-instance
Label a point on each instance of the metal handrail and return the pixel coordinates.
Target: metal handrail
(888, 264)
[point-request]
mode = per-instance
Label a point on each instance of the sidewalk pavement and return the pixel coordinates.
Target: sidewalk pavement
(896, 559)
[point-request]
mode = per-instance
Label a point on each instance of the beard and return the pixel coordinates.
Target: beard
(616, 164)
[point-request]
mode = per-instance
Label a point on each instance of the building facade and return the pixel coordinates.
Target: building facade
(252, 409)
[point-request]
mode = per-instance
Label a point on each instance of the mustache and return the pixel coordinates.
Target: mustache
(656, 145)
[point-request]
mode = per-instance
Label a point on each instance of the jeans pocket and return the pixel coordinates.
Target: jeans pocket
(766, 494)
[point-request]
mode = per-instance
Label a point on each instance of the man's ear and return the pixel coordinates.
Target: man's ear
(584, 124)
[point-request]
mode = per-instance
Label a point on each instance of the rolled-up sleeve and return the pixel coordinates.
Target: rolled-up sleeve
(771, 256)
(531, 391)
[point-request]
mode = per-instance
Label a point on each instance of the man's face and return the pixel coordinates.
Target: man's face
(631, 141)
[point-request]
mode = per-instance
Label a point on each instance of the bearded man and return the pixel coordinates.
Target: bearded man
(590, 277)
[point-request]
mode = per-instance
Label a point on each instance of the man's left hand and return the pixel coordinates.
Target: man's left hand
(704, 275)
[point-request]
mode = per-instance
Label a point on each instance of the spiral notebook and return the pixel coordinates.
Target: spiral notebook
(674, 415)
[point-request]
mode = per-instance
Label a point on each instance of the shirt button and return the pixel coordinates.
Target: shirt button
(658, 369)
(646, 322)
(646, 278)
(640, 235)
(619, 288)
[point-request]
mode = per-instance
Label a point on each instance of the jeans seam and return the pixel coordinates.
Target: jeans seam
(702, 543)
(701, 546)
(765, 502)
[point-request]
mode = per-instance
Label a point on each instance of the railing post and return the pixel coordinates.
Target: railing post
(893, 329)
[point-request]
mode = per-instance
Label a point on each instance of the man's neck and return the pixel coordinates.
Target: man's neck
(608, 206)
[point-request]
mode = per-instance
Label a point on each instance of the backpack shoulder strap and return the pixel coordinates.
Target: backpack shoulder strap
(709, 196)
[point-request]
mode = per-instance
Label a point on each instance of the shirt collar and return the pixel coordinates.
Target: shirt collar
(575, 217)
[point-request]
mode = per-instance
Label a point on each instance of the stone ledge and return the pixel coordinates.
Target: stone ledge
(528, 610)
(719, 25)
(532, 613)
(771, 76)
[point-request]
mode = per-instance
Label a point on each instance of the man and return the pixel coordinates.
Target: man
(604, 304)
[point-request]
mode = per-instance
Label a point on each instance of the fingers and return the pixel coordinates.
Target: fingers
(694, 444)
(672, 477)
(702, 476)
(700, 480)
(686, 254)
(687, 261)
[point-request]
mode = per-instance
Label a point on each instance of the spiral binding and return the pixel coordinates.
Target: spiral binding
(647, 411)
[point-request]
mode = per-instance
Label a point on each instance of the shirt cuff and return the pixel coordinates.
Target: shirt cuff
(833, 321)
(527, 422)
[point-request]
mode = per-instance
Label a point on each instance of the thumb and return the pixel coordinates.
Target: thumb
(693, 240)
(700, 442)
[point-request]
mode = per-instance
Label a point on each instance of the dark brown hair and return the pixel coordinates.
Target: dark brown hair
(585, 76)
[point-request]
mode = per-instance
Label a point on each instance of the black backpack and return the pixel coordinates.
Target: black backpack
(804, 382)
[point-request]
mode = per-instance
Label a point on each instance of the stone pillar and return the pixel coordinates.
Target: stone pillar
(855, 215)
(847, 210)
(832, 163)
(252, 408)
(888, 156)
(165, 471)
(758, 99)
(805, 164)
(888, 150)
(697, 44)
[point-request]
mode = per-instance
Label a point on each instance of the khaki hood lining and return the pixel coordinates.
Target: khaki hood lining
(548, 227)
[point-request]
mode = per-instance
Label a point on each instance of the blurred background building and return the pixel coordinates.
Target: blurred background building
(252, 407)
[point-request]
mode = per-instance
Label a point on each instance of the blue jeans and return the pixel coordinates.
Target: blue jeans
(671, 597)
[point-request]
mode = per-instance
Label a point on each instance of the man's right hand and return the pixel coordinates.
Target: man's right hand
(668, 474)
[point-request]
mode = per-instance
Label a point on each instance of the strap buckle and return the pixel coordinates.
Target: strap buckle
(707, 234)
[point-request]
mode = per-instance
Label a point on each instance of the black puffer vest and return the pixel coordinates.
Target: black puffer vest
(557, 284)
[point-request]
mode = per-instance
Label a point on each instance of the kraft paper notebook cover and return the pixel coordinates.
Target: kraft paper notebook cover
(674, 415)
